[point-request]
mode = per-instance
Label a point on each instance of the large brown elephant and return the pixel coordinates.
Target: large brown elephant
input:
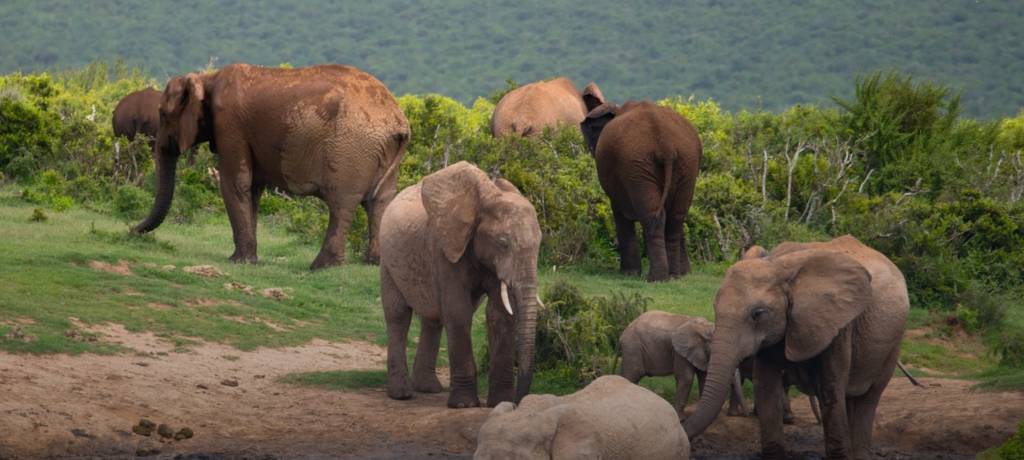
(331, 131)
(138, 113)
(647, 160)
(445, 243)
(827, 316)
(529, 109)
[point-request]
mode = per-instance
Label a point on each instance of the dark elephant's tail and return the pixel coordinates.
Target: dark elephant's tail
(907, 373)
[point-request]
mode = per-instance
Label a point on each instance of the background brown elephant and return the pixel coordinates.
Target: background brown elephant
(610, 419)
(830, 317)
(527, 110)
(648, 158)
(330, 131)
(659, 343)
(446, 242)
(138, 113)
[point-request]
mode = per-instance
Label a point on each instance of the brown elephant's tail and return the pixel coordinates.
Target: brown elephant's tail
(910, 377)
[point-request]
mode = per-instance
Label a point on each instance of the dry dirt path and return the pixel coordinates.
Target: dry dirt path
(85, 406)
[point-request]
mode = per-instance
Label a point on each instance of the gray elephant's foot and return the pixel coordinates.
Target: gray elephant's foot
(399, 388)
(243, 258)
(497, 396)
(657, 277)
(788, 419)
(463, 398)
(325, 260)
(735, 412)
(427, 383)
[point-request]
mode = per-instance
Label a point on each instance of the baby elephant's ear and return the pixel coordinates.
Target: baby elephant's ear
(691, 340)
(452, 198)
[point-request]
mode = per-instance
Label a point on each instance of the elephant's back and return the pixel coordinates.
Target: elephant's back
(660, 130)
(138, 112)
(529, 109)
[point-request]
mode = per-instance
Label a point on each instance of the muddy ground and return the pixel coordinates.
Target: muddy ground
(86, 406)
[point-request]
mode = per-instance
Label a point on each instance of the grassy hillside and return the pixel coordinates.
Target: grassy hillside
(743, 54)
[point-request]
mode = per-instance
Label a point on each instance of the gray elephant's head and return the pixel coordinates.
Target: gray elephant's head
(539, 429)
(497, 226)
(801, 299)
(183, 124)
(692, 341)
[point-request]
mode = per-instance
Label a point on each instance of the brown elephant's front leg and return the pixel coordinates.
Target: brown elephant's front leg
(629, 251)
(236, 186)
(736, 408)
(341, 208)
(768, 384)
(684, 373)
(501, 345)
(654, 236)
(458, 318)
(831, 389)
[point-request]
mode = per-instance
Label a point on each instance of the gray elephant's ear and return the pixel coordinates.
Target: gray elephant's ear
(452, 199)
(183, 100)
(691, 340)
(827, 291)
(575, 436)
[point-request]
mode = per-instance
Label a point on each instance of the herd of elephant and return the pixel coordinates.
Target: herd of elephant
(826, 317)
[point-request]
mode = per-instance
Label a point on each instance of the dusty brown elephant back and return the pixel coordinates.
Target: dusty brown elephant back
(673, 136)
(138, 112)
(527, 110)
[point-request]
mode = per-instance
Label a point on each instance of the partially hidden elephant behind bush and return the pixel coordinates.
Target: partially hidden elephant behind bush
(648, 158)
(445, 243)
(138, 113)
(829, 316)
(610, 418)
(527, 110)
(331, 131)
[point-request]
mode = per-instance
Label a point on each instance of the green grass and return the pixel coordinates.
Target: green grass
(338, 380)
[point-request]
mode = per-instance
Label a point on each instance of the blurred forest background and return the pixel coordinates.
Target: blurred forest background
(743, 54)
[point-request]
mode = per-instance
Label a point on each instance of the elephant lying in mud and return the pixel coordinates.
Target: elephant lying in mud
(527, 110)
(331, 131)
(610, 418)
(830, 317)
(445, 243)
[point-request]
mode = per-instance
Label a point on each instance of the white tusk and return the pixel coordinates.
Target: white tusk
(540, 303)
(504, 298)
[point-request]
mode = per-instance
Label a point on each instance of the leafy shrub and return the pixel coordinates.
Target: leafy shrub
(1008, 345)
(1012, 449)
(48, 189)
(38, 215)
(132, 203)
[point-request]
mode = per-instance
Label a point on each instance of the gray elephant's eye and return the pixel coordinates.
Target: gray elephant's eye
(504, 242)
(758, 313)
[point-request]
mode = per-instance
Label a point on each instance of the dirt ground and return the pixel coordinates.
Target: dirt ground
(86, 406)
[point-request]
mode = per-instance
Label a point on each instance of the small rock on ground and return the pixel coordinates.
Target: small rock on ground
(144, 428)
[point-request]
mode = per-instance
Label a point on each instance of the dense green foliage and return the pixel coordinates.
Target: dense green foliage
(1012, 449)
(742, 53)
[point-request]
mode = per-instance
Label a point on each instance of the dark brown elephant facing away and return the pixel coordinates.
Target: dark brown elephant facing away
(331, 131)
(527, 110)
(445, 243)
(138, 113)
(647, 160)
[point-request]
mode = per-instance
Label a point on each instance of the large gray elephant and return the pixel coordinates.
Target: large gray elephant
(828, 316)
(331, 131)
(529, 109)
(445, 243)
(610, 419)
(659, 343)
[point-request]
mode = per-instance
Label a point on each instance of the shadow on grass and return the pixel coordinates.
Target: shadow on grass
(338, 380)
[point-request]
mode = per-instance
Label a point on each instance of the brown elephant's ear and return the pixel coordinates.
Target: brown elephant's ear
(754, 252)
(592, 96)
(827, 291)
(186, 96)
(452, 199)
(506, 186)
(692, 340)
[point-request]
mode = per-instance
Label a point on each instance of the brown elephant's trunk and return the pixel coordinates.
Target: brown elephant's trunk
(716, 389)
(526, 325)
(166, 169)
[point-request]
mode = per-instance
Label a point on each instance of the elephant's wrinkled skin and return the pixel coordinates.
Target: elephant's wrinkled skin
(138, 113)
(610, 418)
(647, 160)
(529, 109)
(330, 131)
(829, 316)
(445, 243)
(659, 343)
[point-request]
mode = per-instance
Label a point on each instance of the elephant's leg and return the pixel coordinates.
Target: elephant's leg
(675, 246)
(424, 370)
(832, 379)
(629, 251)
(236, 186)
(257, 193)
(632, 363)
(397, 316)
(501, 345)
(654, 237)
(767, 387)
(861, 414)
(684, 373)
(457, 323)
(341, 208)
(787, 411)
(375, 211)
(736, 408)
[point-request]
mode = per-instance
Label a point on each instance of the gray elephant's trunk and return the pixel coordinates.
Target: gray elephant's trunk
(719, 378)
(166, 169)
(526, 325)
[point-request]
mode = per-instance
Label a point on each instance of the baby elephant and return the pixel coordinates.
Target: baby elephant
(660, 343)
(610, 418)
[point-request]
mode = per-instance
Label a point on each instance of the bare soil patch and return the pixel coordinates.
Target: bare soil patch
(122, 267)
(73, 406)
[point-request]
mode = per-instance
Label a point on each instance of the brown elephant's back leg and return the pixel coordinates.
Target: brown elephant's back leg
(424, 368)
(677, 208)
(629, 251)
(236, 187)
(860, 411)
(341, 208)
(645, 200)
(397, 317)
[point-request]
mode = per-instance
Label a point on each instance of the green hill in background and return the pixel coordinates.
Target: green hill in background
(741, 53)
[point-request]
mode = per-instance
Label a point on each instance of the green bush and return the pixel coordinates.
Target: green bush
(132, 203)
(1012, 449)
(49, 189)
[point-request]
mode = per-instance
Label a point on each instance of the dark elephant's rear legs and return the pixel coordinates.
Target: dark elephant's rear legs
(675, 246)
(341, 208)
(629, 250)
(654, 237)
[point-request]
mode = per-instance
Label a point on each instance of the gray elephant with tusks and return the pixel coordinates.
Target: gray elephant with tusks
(445, 243)
(611, 419)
